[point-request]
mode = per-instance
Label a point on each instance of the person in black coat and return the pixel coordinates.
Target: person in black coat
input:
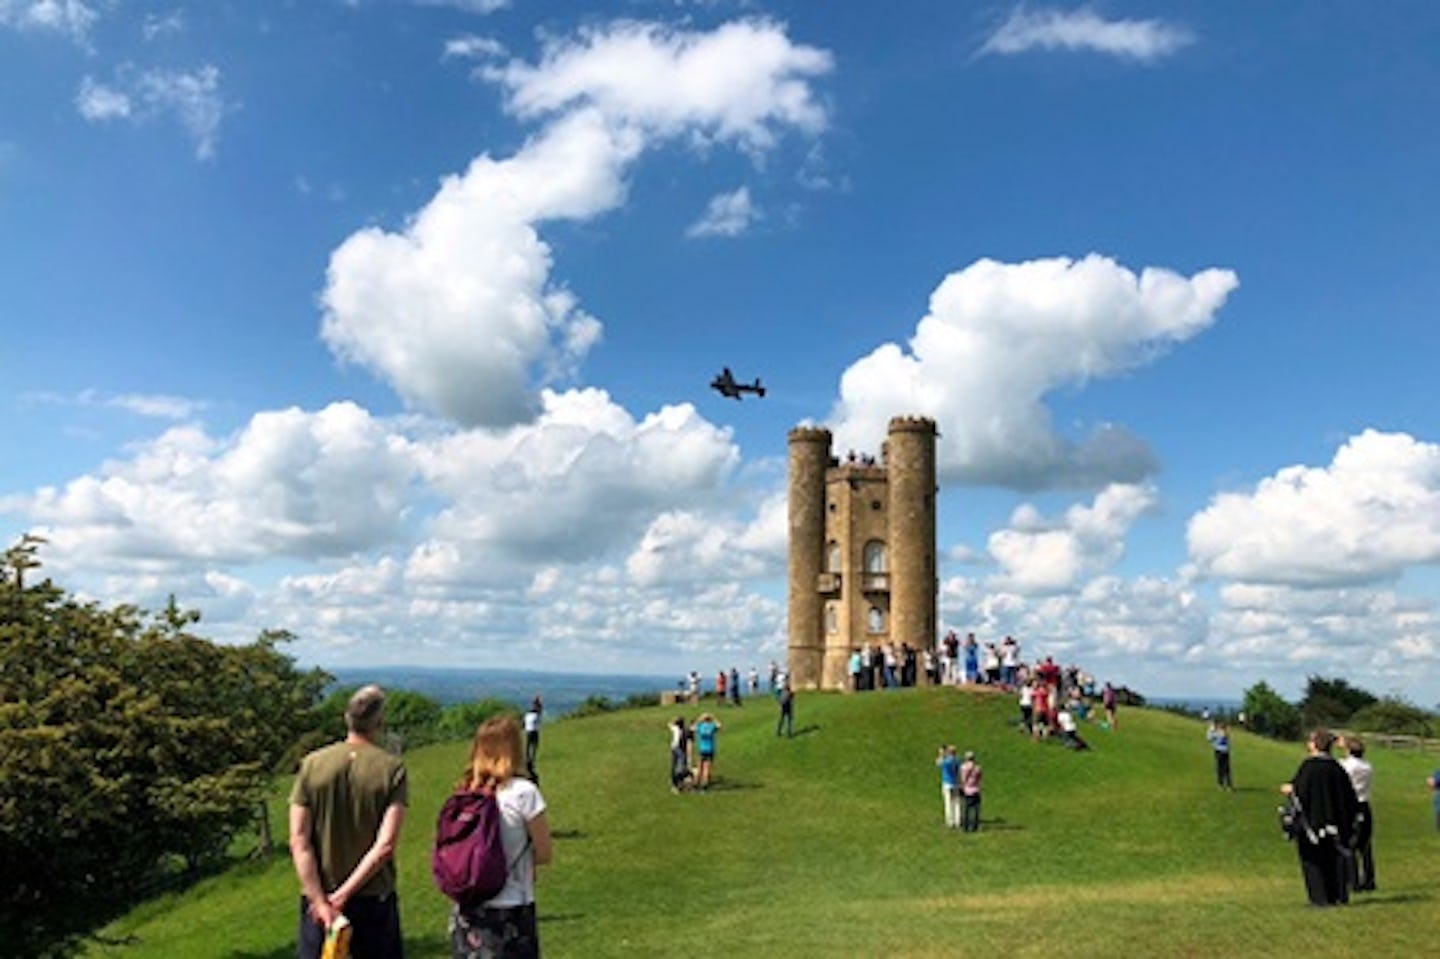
(1327, 801)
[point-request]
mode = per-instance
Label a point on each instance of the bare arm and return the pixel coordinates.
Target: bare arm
(539, 830)
(376, 856)
(307, 870)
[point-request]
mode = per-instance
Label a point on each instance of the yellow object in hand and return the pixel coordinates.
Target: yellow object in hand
(337, 940)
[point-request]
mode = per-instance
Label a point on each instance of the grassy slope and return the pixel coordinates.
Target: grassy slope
(832, 843)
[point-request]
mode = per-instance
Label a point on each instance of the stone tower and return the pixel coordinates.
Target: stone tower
(862, 549)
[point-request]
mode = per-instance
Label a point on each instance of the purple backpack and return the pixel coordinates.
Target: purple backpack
(469, 861)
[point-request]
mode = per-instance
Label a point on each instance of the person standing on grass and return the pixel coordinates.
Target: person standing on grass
(505, 927)
(1027, 705)
(679, 755)
(1434, 783)
(1041, 699)
(532, 734)
(1107, 699)
(346, 809)
(970, 776)
(787, 712)
(1362, 863)
(949, 766)
(706, 728)
(1327, 803)
(1219, 736)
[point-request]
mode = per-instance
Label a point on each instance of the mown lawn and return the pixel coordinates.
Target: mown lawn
(832, 844)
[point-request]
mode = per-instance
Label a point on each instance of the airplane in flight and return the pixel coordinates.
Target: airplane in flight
(726, 385)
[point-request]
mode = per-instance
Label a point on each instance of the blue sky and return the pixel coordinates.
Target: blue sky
(390, 323)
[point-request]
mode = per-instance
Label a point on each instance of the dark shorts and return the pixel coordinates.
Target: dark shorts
(505, 933)
(710, 755)
(374, 934)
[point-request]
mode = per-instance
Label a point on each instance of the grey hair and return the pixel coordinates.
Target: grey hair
(366, 710)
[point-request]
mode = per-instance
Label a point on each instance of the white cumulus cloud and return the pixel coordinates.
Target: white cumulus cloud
(1086, 30)
(742, 82)
(290, 483)
(1040, 556)
(1373, 512)
(1000, 337)
(582, 480)
(458, 311)
(727, 214)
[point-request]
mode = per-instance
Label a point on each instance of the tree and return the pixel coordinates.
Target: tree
(1331, 702)
(126, 744)
(1268, 713)
(1395, 716)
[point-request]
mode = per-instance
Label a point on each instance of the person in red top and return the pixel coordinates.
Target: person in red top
(1042, 711)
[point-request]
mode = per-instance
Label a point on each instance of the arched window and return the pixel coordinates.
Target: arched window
(874, 556)
(832, 619)
(832, 557)
(876, 620)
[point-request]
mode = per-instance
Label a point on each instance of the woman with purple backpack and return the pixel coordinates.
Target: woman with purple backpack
(504, 927)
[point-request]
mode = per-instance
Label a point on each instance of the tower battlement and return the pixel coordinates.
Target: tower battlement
(810, 434)
(912, 424)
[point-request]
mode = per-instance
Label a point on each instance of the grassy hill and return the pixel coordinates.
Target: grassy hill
(832, 844)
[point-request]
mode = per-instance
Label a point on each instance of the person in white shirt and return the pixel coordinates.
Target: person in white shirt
(1069, 731)
(505, 927)
(532, 734)
(1361, 863)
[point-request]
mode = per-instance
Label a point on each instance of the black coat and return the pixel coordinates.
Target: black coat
(1326, 796)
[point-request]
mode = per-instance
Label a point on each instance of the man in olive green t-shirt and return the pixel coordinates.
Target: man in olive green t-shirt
(346, 810)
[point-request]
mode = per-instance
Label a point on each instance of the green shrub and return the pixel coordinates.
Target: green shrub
(1394, 716)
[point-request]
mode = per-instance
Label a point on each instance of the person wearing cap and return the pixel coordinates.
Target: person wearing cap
(970, 776)
(346, 809)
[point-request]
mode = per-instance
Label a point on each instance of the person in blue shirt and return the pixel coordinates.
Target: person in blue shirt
(949, 765)
(1219, 736)
(705, 729)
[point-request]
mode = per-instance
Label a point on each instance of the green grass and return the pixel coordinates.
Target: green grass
(832, 844)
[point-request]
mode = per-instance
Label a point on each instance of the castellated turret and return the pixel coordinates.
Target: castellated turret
(862, 549)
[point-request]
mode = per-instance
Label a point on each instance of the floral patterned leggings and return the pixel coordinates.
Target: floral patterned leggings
(497, 933)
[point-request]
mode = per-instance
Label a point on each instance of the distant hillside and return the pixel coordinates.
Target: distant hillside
(832, 844)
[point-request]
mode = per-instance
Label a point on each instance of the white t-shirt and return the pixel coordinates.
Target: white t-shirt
(520, 801)
(532, 721)
(1067, 722)
(1360, 772)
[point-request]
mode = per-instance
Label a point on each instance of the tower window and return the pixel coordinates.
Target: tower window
(832, 620)
(875, 620)
(874, 556)
(832, 558)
